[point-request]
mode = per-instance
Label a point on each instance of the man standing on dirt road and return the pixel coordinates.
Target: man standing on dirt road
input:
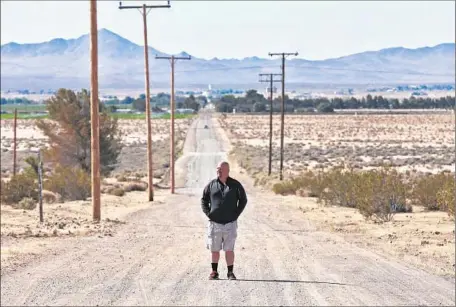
(227, 199)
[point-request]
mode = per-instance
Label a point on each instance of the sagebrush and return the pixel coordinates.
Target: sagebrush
(71, 183)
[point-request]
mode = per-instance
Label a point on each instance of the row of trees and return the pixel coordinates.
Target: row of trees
(163, 100)
(255, 102)
(16, 100)
(160, 101)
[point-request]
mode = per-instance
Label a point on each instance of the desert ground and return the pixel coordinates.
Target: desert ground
(74, 218)
(134, 137)
(290, 251)
(421, 143)
(424, 142)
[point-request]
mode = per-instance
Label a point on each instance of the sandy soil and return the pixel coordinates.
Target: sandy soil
(284, 256)
(422, 239)
(24, 236)
(132, 158)
(408, 141)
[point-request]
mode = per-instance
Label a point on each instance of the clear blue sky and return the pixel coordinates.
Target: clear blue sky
(235, 29)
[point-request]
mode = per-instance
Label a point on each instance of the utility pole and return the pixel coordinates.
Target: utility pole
(282, 123)
(272, 89)
(173, 59)
(14, 142)
(40, 185)
(94, 117)
(145, 9)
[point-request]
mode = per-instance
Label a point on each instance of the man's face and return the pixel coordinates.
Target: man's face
(223, 170)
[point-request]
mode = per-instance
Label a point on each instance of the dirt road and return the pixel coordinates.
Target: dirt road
(159, 257)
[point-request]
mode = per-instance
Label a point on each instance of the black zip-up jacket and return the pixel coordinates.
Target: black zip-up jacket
(226, 202)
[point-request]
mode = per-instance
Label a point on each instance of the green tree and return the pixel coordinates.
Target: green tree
(325, 107)
(202, 100)
(139, 105)
(259, 107)
(69, 132)
(127, 100)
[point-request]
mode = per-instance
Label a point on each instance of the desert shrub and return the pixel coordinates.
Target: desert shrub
(446, 197)
(402, 208)
(308, 184)
(337, 187)
(71, 183)
(136, 186)
(262, 179)
(313, 183)
(122, 178)
(284, 188)
(19, 187)
(379, 194)
(26, 203)
(50, 197)
(426, 189)
(289, 186)
(158, 173)
(116, 191)
(32, 170)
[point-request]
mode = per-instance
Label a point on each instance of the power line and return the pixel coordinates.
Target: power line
(282, 122)
(173, 61)
(144, 13)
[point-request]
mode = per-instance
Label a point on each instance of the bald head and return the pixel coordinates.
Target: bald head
(223, 170)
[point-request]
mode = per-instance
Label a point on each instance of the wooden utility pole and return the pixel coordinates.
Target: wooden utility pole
(173, 59)
(270, 79)
(145, 9)
(94, 117)
(282, 117)
(14, 142)
(40, 185)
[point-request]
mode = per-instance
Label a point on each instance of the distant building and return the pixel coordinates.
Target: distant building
(124, 111)
(185, 111)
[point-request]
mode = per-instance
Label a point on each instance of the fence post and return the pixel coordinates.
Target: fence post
(40, 183)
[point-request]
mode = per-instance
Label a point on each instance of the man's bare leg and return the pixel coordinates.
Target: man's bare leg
(229, 256)
(214, 264)
(215, 257)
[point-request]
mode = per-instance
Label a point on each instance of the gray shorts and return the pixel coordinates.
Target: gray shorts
(221, 236)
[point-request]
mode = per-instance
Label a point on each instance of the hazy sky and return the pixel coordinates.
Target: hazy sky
(237, 29)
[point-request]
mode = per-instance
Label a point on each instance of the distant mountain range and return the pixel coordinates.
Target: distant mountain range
(65, 63)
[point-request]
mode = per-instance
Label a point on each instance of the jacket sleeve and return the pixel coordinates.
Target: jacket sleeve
(242, 200)
(205, 200)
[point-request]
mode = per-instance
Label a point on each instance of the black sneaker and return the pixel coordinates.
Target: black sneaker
(214, 275)
(231, 276)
